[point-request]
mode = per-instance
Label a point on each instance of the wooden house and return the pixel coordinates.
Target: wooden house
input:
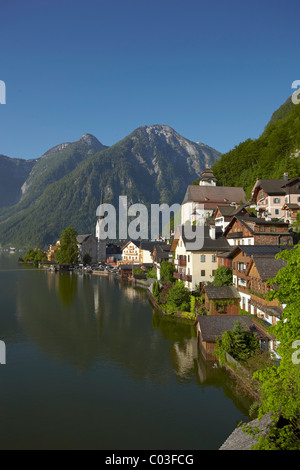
(211, 327)
(221, 300)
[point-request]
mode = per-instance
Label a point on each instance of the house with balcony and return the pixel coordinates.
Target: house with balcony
(223, 214)
(196, 266)
(257, 231)
(259, 271)
(242, 259)
(270, 196)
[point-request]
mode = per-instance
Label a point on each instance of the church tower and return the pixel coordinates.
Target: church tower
(100, 243)
(208, 178)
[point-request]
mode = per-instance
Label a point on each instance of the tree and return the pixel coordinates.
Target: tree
(223, 276)
(166, 272)
(280, 384)
(179, 296)
(87, 259)
(68, 252)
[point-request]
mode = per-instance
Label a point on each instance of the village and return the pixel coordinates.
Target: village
(240, 238)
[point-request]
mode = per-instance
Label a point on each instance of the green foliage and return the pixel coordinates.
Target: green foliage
(166, 272)
(269, 156)
(68, 252)
(35, 257)
(87, 259)
(280, 384)
(156, 290)
(138, 271)
(223, 276)
(240, 344)
(151, 274)
(179, 297)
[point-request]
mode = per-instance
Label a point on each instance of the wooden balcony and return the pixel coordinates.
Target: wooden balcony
(183, 277)
(180, 262)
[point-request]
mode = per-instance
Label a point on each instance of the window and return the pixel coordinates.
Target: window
(202, 272)
(261, 228)
(276, 200)
(298, 199)
(202, 258)
(213, 258)
(213, 272)
(276, 211)
(272, 228)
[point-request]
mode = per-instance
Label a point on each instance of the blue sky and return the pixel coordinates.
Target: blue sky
(213, 70)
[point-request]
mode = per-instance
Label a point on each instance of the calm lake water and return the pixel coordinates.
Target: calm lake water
(91, 365)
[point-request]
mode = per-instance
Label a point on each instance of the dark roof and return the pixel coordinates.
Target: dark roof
(271, 186)
(221, 292)
(204, 241)
(251, 250)
(82, 238)
(268, 267)
(214, 194)
(213, 326)
(248, 221)
(291, 182)
(291, 206)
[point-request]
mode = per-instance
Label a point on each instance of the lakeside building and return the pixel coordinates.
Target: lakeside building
(197, 266)
(87, 245)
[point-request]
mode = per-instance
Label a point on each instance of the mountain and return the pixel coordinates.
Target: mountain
(274, 153)
(13, 174)
(154, 164)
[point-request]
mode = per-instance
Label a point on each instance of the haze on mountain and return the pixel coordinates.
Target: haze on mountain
(154, 164)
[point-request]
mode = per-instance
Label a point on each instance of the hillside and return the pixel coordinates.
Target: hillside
(274, 153)
(13, 174)
(154, 164)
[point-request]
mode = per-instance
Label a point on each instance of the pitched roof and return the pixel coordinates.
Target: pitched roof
(270, 186)
(221, 292)
(251, 222)
(251, 250)
(213, 326)
(82, 238)
(214, 194)
(204, 240)
(267, 266)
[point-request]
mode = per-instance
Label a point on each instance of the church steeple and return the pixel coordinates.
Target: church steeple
(208, 178)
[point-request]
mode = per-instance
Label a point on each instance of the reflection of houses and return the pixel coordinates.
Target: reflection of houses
(87, 245)
(270, 196)
(198, 265)
(220, 300)
(211, 327)
(200, 201)
(257, 231)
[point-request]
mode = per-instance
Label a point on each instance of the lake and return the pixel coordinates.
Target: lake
(90, 364)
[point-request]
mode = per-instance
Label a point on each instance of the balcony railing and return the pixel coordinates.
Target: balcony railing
(180, 262)
(183, 276)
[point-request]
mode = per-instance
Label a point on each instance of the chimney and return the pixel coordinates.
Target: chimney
(285, 176)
